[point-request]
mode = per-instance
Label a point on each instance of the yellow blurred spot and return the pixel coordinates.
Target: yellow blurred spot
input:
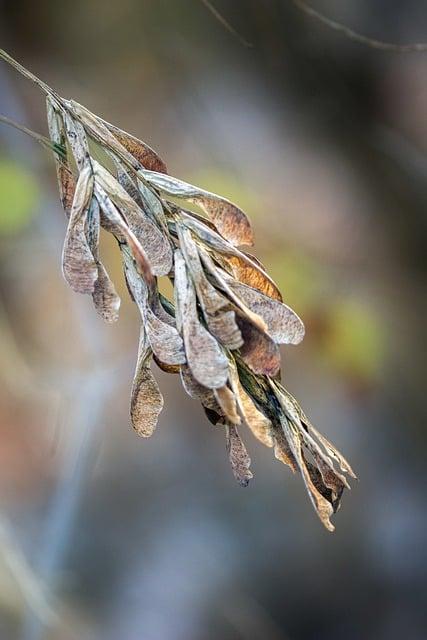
(355, 342)
(19, 196)
(299, 279)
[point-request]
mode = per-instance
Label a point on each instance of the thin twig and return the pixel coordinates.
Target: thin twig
(359, 37)
(45, 142)
(225, 24)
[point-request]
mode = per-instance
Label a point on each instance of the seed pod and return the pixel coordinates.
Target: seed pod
(146, 399)
(230, 221)
(205, 357)
(239, 459)
(78, 265)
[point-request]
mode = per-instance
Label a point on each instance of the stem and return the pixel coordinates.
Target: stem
(27, 74)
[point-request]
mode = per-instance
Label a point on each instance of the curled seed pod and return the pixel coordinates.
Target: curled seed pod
(163, 337)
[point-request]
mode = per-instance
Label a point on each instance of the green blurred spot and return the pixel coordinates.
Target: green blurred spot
(355, 342)
(19, 196)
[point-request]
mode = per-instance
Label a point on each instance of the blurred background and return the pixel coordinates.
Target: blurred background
(323, 142)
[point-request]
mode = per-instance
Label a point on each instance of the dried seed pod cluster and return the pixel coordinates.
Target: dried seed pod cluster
(222, 330)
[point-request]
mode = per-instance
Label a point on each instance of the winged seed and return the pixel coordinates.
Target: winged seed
(146, 398)
(219, 318)
(153, 241)
(283, 324)
(205, 357)
(238, 456)
(228, 403)
(230, 221)
(78, 265)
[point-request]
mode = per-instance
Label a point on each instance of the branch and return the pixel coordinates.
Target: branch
(359, 37)
(225, 24)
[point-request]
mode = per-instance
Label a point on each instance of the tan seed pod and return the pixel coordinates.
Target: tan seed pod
(104, 296)
(259, 351)
(239, 458)
(283, 324)
(148, 158)
(217, 276)
(220, 319)
(205, 357)
(66, 180)
(258, 423)
(228, 403)
(78, 265)
(244, 267)
(230, 221)
(197, 391)
(76, 137)
(155, 244)
(146, 398)
(163, 337)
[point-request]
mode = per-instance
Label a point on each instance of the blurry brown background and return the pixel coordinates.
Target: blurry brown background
(323, 142)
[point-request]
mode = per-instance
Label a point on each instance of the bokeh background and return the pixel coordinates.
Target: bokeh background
(323, 142)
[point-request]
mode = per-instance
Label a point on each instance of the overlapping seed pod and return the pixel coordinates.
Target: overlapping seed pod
(223, 329)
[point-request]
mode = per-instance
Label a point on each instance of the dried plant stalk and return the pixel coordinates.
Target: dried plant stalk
(227, 319)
